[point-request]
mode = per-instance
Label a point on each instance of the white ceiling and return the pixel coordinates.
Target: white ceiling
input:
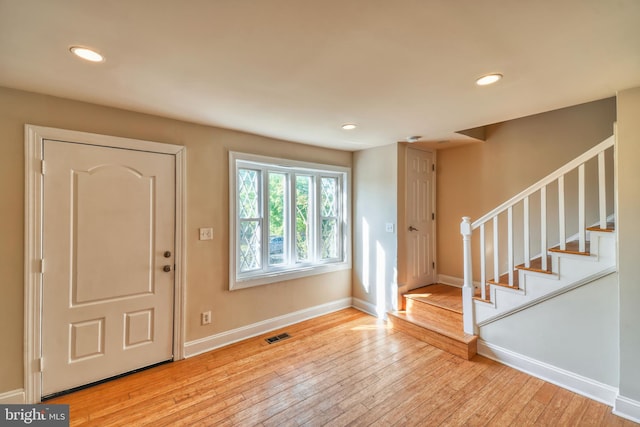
(298, 69)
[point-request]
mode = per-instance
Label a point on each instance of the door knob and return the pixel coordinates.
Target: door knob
(166, 268)
(412, 228)
(167, 254)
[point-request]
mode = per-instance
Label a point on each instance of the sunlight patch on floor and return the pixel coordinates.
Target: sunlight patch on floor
(421, 295)
(378, 326)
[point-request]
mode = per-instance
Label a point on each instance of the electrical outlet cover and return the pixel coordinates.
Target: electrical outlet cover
(205, 317)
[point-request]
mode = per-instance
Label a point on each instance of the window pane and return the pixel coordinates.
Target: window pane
(303, 227)
(329, 238)
(277, 220)
(250, 253)
(329, 193)
(248, 200)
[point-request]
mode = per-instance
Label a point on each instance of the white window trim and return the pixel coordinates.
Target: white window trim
(303, 270)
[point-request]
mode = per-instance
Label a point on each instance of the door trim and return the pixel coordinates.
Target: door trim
(34, 136)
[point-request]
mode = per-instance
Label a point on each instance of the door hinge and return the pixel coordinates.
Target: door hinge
(433, 215)
(433, 265)
(41, 266)
(42, 167)
(433, 167)
(41, 364)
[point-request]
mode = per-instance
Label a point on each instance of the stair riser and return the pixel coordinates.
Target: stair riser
(460, 349)
(430, 313)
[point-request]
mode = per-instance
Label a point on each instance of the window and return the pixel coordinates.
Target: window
(288, 219)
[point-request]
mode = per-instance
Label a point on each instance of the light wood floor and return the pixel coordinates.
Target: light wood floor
(346, 368)
(445, 296)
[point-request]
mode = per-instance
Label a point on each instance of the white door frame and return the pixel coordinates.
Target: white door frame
(34, 136)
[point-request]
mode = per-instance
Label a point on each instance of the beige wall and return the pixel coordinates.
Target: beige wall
(475, 178)
(628, 225)
(375, 204)
(207, 205)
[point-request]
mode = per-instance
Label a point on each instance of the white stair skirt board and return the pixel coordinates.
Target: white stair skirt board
(12, 397)
(627, 408)
(365, 307)
(202, 345)
(571, 381)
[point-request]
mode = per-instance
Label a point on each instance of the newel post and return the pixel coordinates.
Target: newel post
(467, 288)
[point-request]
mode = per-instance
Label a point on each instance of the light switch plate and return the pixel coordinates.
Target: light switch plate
(206, 233)
(388, 227)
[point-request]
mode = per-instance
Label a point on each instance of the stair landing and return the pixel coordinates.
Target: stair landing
(433, 314)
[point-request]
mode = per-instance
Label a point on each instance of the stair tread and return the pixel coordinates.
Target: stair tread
(439, 295)
(457, 335)
(573, 248)
(611, 227)
(503, 281)
(536, 265)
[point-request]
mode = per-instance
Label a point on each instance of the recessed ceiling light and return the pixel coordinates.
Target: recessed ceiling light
(488, 79)
(349, 126)
(86, 54)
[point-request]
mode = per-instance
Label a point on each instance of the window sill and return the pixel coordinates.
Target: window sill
(281, 276)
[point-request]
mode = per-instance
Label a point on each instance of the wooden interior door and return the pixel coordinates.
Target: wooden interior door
(108, 250)
(420, 211)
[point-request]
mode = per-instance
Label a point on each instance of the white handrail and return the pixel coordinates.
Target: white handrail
(546, 180)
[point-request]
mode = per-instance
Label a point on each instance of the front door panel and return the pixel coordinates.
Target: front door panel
(109, 218)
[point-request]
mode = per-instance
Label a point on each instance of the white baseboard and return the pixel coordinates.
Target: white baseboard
(364, 306)
(450, 280)
(627, 408)
(12, 397)
(571, 381)
(202, 345)
(458, 282)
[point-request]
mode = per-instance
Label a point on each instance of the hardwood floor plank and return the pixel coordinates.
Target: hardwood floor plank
(419, 393)
(346, 368)
(494, 403)
(324, 403)
(517, 400)
(537, 404)
(478, 402)
(555, 408)
(458, 396)
(594, 414)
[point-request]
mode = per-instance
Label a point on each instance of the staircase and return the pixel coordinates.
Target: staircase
(502, 286)
(433, 314)
(566, 269)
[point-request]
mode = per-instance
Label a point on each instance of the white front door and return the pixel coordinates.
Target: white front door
(108, 250)
(420, 219)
